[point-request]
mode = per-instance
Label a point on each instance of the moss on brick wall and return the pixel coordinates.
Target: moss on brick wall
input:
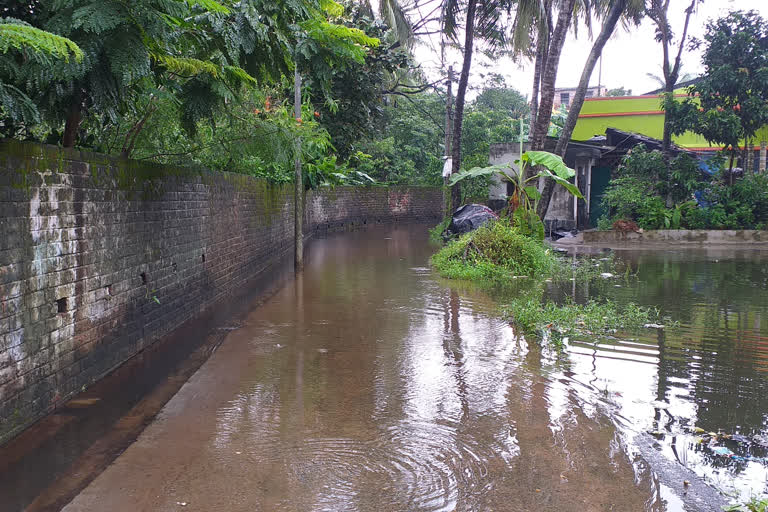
(101, 256)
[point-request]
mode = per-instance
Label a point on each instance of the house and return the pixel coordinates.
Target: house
(564, 95)
(607, 128)
(565, 212)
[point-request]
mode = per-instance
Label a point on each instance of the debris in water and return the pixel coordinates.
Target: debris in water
(323, 350)
(653, 326)
(606, 275)
(182, 503)
(723, 451)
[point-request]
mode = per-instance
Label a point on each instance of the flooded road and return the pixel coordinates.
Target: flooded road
(369, 384)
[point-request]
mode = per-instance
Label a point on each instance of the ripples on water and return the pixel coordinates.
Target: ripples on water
(709, 372)
(372, 385)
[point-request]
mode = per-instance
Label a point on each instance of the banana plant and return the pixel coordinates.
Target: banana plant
(526, 196)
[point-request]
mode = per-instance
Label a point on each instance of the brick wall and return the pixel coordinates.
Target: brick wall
(100, 258)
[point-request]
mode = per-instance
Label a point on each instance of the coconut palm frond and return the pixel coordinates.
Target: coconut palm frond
(394, 15)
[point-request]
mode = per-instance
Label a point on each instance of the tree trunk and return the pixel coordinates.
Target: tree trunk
(671, 74)
(72, 125)
(609, 25)
(541, 50)
(461, 92)
(549, 74)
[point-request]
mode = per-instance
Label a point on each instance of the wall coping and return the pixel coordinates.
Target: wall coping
(681, 236)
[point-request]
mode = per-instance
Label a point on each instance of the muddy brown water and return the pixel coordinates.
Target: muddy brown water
(370, 384)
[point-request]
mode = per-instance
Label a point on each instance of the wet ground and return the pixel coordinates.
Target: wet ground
(369, 384)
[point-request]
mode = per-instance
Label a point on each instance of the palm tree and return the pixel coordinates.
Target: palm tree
(631, 11)
(394, 15)
(482, 18)
(661, 81)
(551, 61)
(658, 10)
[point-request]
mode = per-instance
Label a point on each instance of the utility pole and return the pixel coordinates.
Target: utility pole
(298, 191)
(448, 143)
(449, 114)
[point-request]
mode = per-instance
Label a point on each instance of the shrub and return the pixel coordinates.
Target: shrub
(496, 251)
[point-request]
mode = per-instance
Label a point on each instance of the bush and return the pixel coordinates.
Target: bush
(642, 187)
(628, 198)
(496, 251)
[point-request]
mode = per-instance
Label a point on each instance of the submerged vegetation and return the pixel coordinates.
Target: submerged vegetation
(552, 321)
(498, 256)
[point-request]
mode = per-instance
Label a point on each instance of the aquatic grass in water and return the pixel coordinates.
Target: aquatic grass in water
(553, 321)
(753, 505)
(497, 255)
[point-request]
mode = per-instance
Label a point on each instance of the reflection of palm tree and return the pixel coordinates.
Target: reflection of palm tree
(453, 350)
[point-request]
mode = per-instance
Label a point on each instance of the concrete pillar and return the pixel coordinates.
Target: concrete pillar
(763, 145)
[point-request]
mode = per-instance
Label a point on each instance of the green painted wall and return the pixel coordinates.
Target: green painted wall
(649, 124)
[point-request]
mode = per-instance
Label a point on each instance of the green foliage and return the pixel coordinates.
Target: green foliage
(34, 43)
(494, 252)
(502, 99)
(22, 44)
(619, 91)
(642, 185)
(498, 254)
(732, 95)
(753, 505)
(640, 189)
(407, 144)
(436, 233)
(557, 121)
(743, 205)
(552, 321)
(549, 166)
(352, 105)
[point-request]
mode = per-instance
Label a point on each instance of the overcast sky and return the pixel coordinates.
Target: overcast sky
(627, 57)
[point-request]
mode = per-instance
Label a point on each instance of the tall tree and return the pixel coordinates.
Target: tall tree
(484, 18)
(616, 9)
(658, 12)
(730, 106)
(21, 43)
(549, 73)
(461, 92)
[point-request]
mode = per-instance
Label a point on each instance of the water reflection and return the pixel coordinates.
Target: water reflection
(709, 373)
(372, 385)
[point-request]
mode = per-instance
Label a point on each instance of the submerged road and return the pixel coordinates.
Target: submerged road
(369, 384)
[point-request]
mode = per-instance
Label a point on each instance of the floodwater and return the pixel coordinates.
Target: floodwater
(369, 384)
(710, 372)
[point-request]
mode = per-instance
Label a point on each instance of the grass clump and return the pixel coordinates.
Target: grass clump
(494, 252)
(753, 505)
(553, 321)
(436, 233)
